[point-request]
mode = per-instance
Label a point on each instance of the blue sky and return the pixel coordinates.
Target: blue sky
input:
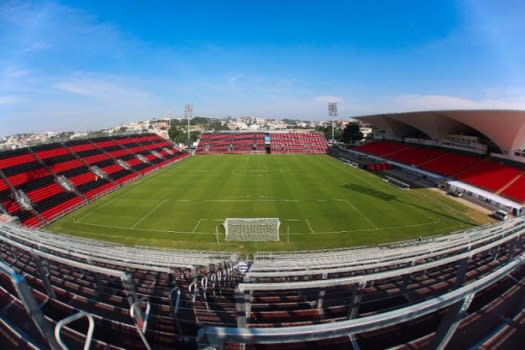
(91, 64)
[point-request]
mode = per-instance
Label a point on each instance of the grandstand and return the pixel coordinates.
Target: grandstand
(422, 293)
(465, 150)
(486, 174)
(41, 183)
(460, 290)
(262, 142)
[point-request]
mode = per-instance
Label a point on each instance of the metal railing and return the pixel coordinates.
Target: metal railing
(215, 337)
(71, 319)
(266, 286)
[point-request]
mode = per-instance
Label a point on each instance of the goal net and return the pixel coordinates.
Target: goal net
(252, 229)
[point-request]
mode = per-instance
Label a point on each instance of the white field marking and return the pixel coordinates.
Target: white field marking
(243, 172)
(359, 212)
(436, 201)
(246, 199)
(197, 224)
(207, 233)
(127, 189)
(254, 172)
(149, 213)
(95, 209)
(432, 221)
(422, 213)
(250, 200)
(369, 229)
(142, 229)
(117, 196)
(309, 226)
(193, 175)
(275, 200)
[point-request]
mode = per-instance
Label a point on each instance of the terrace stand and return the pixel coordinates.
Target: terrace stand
(457, 301)
(31, 306)
(134, 273)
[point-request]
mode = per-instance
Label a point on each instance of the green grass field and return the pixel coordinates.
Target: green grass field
(324, 203)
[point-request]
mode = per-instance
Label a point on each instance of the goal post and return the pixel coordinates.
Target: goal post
(252, 229)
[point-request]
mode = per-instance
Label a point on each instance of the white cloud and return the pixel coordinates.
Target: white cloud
(328, 98)
(103, 89)
(502, 100)
(7, 99)
(422, 102)
(234, 78)
(15, 73)
(38, 46)
(32, 27)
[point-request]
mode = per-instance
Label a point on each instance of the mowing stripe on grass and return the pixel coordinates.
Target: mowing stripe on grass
(96, 208)
(131, 187)
(292, 220)
(302, 190)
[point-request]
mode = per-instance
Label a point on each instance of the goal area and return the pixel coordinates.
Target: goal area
(252, 229)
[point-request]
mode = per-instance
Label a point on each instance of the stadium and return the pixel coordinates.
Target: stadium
(268, 239)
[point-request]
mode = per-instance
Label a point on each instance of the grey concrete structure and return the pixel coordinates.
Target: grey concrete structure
(506, 128)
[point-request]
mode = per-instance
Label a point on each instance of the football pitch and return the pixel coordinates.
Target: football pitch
(320, 201)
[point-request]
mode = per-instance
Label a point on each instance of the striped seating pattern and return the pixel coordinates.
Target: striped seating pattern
(34, 170)
(487, 174)
(248, 142)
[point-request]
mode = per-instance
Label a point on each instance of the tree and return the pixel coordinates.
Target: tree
(352, 133)
(173, 132)
(199, 120)
(216, 125)
(176, 122)
(179, 135)
(327, 131)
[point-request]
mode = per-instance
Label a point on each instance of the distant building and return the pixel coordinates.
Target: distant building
(161, 124)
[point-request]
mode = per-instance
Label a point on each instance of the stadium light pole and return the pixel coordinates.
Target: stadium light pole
(332, 112)
(188, 111)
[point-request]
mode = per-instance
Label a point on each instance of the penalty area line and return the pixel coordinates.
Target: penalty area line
(306, 221)
(359, 212)
(148, 214)
(132, 186)
(197, 225)
(292, 233)
(309, 226)
(142, 229)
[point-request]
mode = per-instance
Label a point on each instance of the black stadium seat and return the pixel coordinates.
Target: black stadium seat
(34, 171)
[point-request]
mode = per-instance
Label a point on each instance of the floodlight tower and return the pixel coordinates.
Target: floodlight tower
(188, 111)
(332, 112)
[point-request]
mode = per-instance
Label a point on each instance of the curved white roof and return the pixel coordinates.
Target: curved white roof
(506, 128)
